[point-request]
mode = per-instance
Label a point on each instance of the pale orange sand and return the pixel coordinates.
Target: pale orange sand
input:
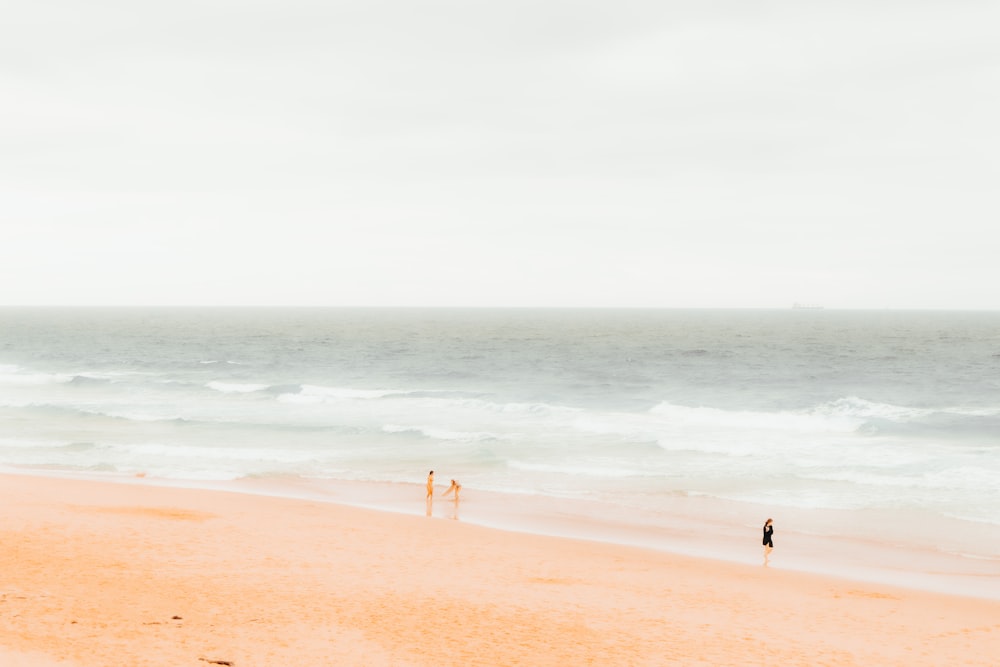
(96, 574)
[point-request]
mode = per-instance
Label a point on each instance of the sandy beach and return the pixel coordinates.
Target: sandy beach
(101, 573)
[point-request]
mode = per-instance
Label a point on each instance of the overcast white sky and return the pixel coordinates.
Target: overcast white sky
(635, 153)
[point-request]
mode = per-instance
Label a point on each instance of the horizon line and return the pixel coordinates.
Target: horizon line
(793, 307)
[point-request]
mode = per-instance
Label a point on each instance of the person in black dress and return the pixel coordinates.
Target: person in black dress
(768, 542)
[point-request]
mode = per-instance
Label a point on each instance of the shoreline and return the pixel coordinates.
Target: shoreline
(698, 527)
(692, 526)
(97, 573)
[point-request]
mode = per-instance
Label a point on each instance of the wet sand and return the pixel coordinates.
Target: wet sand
(98, 573)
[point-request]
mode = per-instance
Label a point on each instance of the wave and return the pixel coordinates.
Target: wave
(437, 433)
(21, 379)
(135, 413)
(308, 393)
(125, 416)
(601, 470)
(48, 411)
(46, 444)
(679, 415)
(963, 478)
(844, 415)
(278, 389)
(90, 378)
(155, 451)
(940, 425)
(236, 387)
(18, 376)
(442, 401)
(853, 407)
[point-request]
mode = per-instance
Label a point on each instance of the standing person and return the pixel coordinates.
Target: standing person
(430, 493)
(768, 543)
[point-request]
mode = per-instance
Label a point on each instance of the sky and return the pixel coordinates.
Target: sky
(542, 153)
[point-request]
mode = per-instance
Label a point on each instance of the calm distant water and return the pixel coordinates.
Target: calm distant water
(798, 408)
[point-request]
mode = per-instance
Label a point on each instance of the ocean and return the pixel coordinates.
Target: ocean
(867, 435)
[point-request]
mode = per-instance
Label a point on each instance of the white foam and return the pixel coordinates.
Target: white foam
(132, 415)
(158, 451)
(19, 379)
(235, 387)
(853, 407)
(604, 469)
(442, 434)
(319, 394)
(803, 422)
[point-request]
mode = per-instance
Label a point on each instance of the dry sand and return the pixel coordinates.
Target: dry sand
(97, 574)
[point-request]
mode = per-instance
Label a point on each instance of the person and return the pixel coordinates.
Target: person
(768, 542)
(456, 487)
(430, 485)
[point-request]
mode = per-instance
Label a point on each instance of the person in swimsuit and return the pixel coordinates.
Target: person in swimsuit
(456, 487)
(768, 542)
(430, 492)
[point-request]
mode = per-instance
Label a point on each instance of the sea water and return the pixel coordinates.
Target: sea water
(865, 426)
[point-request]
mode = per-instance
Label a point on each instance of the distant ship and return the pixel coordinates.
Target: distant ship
(805, 306)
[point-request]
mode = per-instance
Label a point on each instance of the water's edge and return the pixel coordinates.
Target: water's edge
(691, 526)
